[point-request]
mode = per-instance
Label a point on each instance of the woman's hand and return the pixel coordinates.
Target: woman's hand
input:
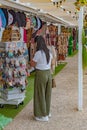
(32, 63)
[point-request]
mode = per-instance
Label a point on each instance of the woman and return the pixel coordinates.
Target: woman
(43, 80)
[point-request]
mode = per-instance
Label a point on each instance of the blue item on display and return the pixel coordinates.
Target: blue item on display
(10, 54)
(26, 52)
(3, 19)
(6, 15)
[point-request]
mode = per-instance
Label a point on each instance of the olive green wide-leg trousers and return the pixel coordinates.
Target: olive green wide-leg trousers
(42, 92)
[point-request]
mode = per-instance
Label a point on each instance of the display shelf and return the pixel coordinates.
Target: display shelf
(8, 97)
(16, 102)
(13, 67)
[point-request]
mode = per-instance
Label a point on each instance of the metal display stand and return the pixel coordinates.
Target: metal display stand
(12, 97)
(16, 102)
(13, 69)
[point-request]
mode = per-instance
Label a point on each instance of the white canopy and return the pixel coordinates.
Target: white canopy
(65, 14)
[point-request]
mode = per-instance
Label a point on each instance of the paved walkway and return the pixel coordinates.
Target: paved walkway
(65, 115)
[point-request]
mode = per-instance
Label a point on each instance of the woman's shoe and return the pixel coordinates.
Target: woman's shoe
(45, 118)
(49, 115)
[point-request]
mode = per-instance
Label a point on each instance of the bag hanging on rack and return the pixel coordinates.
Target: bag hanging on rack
(15, 35)
(6, 36)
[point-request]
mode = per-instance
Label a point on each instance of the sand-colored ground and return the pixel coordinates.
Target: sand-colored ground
(65, 115)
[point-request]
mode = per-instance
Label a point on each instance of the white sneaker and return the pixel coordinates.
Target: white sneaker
(45, 118)
(49, 115)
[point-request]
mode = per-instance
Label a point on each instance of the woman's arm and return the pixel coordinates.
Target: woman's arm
(35, 59)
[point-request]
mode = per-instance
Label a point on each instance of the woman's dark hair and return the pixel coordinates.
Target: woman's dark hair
(41, 45)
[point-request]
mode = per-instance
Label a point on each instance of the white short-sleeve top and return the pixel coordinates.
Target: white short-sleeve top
(41, 62)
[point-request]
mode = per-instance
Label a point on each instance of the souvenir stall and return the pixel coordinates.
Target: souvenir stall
(16, 50)
(70, 45)
(51, 41)
(53, 34)
(36, 30)
(62, 46)
(72, 41)
(14, 56)
(67, 42)
(74, 34)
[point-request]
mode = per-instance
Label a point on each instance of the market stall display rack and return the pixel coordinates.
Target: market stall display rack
(16, 102)
(13, 72)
